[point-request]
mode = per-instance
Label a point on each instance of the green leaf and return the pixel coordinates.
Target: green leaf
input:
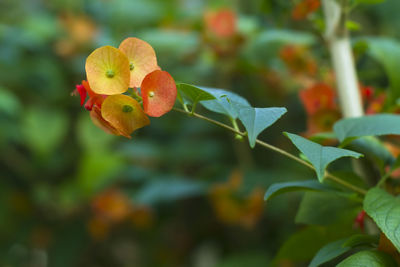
(380, 124)
(373, 149)
(368, 2)
(368, 259)
(9, 103)
(256, 120)
(167, 190)
(337, 248)
(304, 244)
(337, 207)
(329, 252)
(192, 95)
(280, 188)
(320, 156)
(384, 209)
(362, 240)
(387, 52)
(225, 102)
(44, 129)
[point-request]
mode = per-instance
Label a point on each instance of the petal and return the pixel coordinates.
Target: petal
(158, 93)
(99, 121)
(107, 70)
(142, 59)
(82, 93)
(124, 113)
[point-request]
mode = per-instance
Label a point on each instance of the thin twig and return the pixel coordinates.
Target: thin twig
(274, 148)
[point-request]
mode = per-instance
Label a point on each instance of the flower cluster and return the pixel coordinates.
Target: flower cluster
(124, 85)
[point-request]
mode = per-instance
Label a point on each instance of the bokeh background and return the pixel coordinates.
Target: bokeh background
(181, 192)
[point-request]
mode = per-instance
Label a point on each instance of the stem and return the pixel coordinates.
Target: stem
(342, 58)
(274, 148)
(385, 177)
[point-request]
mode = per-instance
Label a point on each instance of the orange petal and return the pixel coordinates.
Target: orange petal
(142, 59)
(158, 93)
(107, 70)
(124, 113)
(97, 119)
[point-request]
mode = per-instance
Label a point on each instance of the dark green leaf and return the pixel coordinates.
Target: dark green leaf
(304, 244)
(190, 94)
(361, 240)
(380, 124)
(387, 52)
(280, 188)
(337, 248)
(256, 120)
(329, 252)
(368, 259)
(384, 209)
(167, 190)
(225, 102)
(320, 156)
(337, 207)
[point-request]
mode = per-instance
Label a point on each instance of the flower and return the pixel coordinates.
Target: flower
(305, 8)
(318, 97)
(124, 114)
(221, 23)
(111, 72)
(158, 93)
(107, 71)
(142, 59)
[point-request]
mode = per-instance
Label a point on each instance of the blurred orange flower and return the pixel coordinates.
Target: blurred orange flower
(305, 8)
(318, 97)
(298, 59)
(220, 23)
(230, 208)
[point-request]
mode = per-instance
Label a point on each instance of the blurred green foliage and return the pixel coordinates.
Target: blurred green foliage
(71, 195)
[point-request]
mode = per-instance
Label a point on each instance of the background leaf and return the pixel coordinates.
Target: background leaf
(320, 156)
(387, 52)
(336, 207)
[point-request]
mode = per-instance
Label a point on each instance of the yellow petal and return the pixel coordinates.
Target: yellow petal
(107, 71)
(124, 113)
(142, 59)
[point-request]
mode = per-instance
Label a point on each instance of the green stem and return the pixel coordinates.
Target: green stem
(384, 178)
(276, 149)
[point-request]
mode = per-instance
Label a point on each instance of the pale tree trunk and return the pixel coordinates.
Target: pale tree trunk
(342, 58)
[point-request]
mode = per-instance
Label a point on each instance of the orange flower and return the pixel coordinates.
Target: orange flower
(318, 97)
(322, 121)
(298, 59)
(112, 206)
(158, 93)
(231, 209)
(124, 114)
(110, 72)
(107, 71)
(142, 59)
(221, 23)
(305, 8)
